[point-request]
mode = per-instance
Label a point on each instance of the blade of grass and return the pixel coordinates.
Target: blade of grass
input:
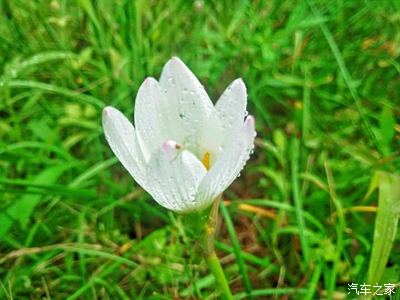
(298, 201)
(87, 249)
(306, 118)
(386, 224)
(313, 283)
(340, 226)
(271, 292)
(54, 89)
(236, 248)
(263, 262)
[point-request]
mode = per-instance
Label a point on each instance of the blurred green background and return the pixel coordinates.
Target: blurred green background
(314, 210)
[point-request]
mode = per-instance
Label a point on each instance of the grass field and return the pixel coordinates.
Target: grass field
(316, 207)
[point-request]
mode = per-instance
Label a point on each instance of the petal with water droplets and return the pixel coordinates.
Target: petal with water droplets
(229, 164)
(173, 176)
(122, 138)
(188, 102)
(149, 119)
(231, 108)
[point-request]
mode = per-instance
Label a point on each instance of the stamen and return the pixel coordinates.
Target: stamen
(206, 160)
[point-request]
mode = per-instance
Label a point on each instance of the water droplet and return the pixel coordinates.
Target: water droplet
(171, 80)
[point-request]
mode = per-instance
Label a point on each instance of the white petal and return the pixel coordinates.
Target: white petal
(149, 120)
(189, 104)
(231, 108)
(173, 176)
(122, 138)
(229, 165)
(212, 138)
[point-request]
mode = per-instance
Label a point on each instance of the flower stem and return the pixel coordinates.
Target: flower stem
(216, 269)
(210, 255)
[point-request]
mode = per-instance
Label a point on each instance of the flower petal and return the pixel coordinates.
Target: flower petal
(189, 104)
(212, 138)
(149, 119)
(231, 108)
(173, 176)
(123, 140)
(229, 165)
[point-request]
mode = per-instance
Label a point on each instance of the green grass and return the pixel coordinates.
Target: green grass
(323, 85)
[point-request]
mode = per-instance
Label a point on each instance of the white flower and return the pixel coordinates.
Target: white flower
(185, 151)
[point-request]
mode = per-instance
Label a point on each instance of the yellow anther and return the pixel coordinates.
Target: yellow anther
(206, 160)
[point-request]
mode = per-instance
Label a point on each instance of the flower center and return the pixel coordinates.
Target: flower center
(206, 160)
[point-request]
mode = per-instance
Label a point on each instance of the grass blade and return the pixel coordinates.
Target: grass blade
(386, 222)
(236, 248)
(298, 201)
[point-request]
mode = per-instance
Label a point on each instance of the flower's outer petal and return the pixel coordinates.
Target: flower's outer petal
(173, 176)
(148, 116)
(188, 103)
(122, 138)
(231, 108)
(229, 165)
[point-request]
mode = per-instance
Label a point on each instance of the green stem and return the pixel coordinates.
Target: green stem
(216, 269)
(211, 256)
